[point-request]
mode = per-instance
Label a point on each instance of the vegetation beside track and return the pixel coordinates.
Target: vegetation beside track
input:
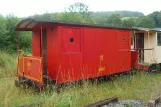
(141, 86)
(8, 64)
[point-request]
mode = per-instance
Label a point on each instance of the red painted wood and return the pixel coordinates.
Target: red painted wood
(113, 45)
(142, 67)
(31, 68)
(134, 58)
(53, 52)
(94, 52)
(36, 43)
(73, 34)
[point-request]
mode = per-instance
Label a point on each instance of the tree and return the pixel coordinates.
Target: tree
(77, 12)
(25, 40)
(129, 22)
(3, 30)
(102, 14)
(146, 22)
(80, 8)
(156, 17)
(8, 36)
(114, 20)
(69, 16)
(45, 16)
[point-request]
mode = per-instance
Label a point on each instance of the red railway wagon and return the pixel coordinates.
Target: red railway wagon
(64, 51)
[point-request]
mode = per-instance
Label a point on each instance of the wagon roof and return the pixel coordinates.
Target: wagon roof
(148, 29)
(28, 24)
(157, 29)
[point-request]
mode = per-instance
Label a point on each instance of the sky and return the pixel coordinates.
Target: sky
(23, 8)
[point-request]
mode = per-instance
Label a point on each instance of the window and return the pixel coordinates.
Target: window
(123, 40)
(131, 41)
(71, 40)
(159, 39)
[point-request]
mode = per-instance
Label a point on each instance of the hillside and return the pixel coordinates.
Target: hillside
(122, 13)
(95, 15)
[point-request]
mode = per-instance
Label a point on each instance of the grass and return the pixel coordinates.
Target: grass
(8, 64)
(141, 86)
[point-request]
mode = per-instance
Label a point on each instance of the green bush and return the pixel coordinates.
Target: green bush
(8, 64)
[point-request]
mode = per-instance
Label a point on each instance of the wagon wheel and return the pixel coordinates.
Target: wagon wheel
(152, 68)
(58, 88)
(159, 68)
(17, 83)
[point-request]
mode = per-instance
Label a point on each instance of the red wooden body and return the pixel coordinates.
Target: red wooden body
(76, 53)
(30, 68)
(71, 52)
(134, 58)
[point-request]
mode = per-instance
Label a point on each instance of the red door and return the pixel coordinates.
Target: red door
(71, 57)
(123, 51)
(71, 40)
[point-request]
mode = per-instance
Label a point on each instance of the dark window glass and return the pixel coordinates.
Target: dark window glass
(131, 41)
(71, 39)
(123, 40)
(159, 39)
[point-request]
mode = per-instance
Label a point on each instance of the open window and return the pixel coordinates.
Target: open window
(159, 39)
(132, 41)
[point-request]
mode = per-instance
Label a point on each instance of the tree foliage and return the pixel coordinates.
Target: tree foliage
(122, 13)
(8, 36)
(146, 22)
(114, 20)
(45, 16)
(80, 8)
(129, 22)
(77, 12)
(156, 17)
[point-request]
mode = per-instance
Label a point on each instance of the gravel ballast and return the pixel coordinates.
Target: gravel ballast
(127, 103)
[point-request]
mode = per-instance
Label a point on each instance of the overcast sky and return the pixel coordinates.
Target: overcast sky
(22, 8)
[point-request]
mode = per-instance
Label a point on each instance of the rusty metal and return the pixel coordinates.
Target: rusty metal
(154, 102)
(103, 102)
(41, 43)
(18, 47)
(56, 22)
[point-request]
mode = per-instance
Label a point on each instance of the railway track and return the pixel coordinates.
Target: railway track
(113, 102)
(103, 102)
(95, 104)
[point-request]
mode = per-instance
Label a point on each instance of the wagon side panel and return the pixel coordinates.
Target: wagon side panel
(124, 51)
(53, 52)
(31, 68)
(36, 45)
(71, 53)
